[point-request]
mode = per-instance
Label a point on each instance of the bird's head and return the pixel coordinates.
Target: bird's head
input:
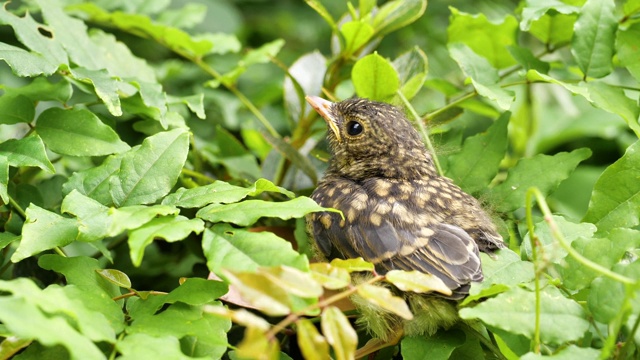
(372, 139)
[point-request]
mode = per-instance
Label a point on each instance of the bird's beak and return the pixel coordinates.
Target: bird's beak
(323, 107)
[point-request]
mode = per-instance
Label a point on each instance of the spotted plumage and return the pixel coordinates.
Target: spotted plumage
(398, 212)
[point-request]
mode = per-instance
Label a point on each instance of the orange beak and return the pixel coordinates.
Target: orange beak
(323, 107)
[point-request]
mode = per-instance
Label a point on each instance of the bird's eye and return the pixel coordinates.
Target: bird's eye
(354, 128)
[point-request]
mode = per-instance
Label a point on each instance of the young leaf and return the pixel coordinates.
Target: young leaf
(331, 277)
(534, 10)
(313, 345)
(593, 39)
(148, 172)
(382, 297)
(352, 265)
(485, 38)
(260, 292)
(133, 217)
(116, 277)
(77, 132)
(510, 195)
(561, 319)
(44, 230)
(255, 345)
(241, 250)
(248, 212)
(221, 192)
(615, 201)
(105, 86)
(339, 333)
(417, 282)
(294, 281)
(483, 76)
(478, 161)
(240, 316)
(374, 78)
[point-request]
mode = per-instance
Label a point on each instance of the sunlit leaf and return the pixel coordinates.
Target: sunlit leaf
(312, 344)
(255, 345)
(339, 333)
(331, 277)
(417, 281)
(384, 298)
(352, 265)
(240, 316)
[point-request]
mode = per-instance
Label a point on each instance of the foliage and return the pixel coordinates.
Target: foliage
(137, 139)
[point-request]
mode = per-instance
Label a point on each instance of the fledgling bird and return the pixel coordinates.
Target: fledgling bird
(398, 212)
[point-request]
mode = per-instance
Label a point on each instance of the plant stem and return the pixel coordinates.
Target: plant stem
(534, 255)
(197, 175)
(450, 105)
(14, 204)
(423, 131)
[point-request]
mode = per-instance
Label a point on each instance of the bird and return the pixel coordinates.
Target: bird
(397, 212)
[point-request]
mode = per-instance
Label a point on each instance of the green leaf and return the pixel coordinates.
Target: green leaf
(615, 201)
(613, 99)
(626, 42)
(196, 291)
(77, 132)
(140, 346)
(148, 172)
(225, 149)
(417, 282)
(292, 154)
(575, 275)
(93, 217)
(312, 345)
(593, 39)
(608, 298)
(260, 292)
(15, 109)
(118, 59)
(116, 277)
(438, 346)
(339, 333)
(105, 86)
(294, 281)
(255, 345)
(478, 161)
(220, 192)
(241, 317)
(397, 14)
(374, 78)
(552, 249)
(249, 211)
(242, 250)
(44, 230)
(383, 298)
(41, 89)
(28, 151)
(561, 319)
(525, 57)
(24, 63)
(535, 9)
(12, 345)
(4, 178)
(308, 71)
(555, 30)
(7, 238)
(133, 217)
(487, 39)
(569, 353)
(412, 68)
(94, 182)
(169, 228)
(331, 277)
(510, 195)
(483, 76)
(356, 35)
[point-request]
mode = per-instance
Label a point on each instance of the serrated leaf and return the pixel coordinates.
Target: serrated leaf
(116, 277)
(339, 333)
(220, 192)
(561, 319)
(260, 292)
(486, 38)
(510, 194)
(77, 132)
(94, 182)
(478, 161)
(483, 76)
(312, 345)
(438, 346)
(249, 211)
(15, 109)
(331, 277)
(148, 172)
(397, 14)
(239, 249)
(28, 151)
(374, 78)
(44, 230)
(169, 228)
(383, 298)
(615, 201)
(593, 39)
(417, 281)
(627, 43)
(353, 265)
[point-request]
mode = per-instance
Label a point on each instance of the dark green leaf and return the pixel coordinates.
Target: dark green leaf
(139, 346)
(15, 109)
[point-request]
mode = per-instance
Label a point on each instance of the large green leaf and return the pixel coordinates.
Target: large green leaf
(627, 43)
(24, 63)
(77, 132)
(44, 230)
(561, 319)
(105, 86)
(510, 194)
(374, 78)
(140, 345)
(478, 161)
(438, 346)
(148, 172)
(248, 212)
(615, 201)
(593, 40)
(239, 249)
(28, 151)
(94, 182)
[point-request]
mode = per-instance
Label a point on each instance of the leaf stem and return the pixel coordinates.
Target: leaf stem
(14, 204)
(449, 106)
(423, 131)
(534, 255)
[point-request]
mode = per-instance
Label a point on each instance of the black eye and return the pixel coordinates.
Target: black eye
(354, 128)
